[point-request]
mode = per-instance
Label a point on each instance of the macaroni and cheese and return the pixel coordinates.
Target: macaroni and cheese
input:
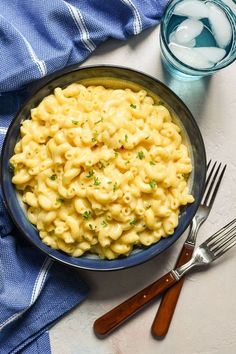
(101, 170)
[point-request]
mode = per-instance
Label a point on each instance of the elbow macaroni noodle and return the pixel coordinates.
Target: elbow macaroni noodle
(101, 170)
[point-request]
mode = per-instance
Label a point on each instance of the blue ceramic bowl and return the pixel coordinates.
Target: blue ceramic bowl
(197, 150)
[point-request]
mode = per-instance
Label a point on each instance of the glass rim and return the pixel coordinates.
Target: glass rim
(231, 17)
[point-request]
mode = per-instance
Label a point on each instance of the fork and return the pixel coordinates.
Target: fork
(213, 248)
(169, 300)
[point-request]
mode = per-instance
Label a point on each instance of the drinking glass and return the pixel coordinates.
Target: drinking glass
(197, 38)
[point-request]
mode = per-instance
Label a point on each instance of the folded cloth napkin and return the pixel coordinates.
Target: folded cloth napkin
(39, 37)
(36, 39)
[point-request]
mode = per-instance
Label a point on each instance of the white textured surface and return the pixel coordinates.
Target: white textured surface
(205, 318)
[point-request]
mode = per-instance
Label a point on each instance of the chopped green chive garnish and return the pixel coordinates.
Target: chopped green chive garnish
(75, 122)
(127, 162)
(53, 177)
(104, 223)
(115, 186)
(147, 137)
(133, 105)
(90, 174)
(116, 154)
(152, 183)
(87, 214)
(95, 135)
(59, 200)
(185, 175)
(99, 121)
(126, 137)
(133, 222)
(96, 181)
(140, 155)
(12, 167)
(109, 182)
(91, 226)
(101, 165)
(152, 163)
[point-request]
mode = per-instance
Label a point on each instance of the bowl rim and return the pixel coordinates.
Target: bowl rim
(34, 88)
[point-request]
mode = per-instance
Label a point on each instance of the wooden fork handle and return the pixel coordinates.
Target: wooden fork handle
(112, 319)
(169, 300)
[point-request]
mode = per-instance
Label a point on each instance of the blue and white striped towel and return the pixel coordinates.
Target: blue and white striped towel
(39, 37)
(36, 39)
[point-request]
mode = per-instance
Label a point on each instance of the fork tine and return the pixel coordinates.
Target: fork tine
(222, 240)
(217, 186)
(221, 247)
(210, 174)
(219, 232)
(219, 254)
(213, 183)
(212, 179)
